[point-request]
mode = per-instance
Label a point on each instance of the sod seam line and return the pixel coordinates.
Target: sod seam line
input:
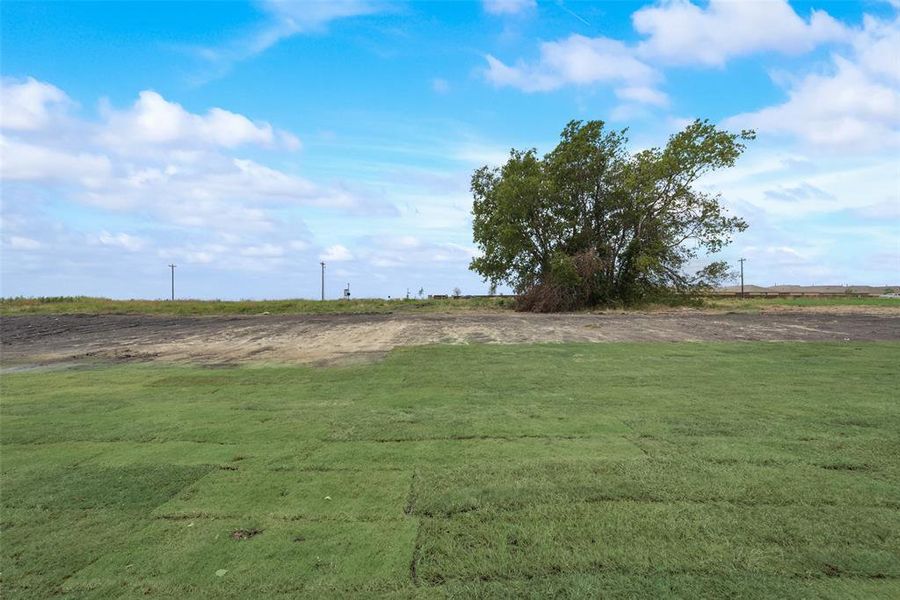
(671, 501)
(502, 438)
(203, 516)
(552, 573)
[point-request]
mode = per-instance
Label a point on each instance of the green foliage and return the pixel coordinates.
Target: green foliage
(672, 470)
(589, 224)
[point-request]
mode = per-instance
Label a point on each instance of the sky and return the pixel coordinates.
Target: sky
(247, 142)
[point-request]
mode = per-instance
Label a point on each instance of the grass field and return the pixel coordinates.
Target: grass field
(763, 303)
(89, 305)
(754, 470)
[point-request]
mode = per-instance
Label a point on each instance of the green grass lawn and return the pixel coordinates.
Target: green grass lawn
(753, 470)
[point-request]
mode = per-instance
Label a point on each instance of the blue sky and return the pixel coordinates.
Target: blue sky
(245, 142)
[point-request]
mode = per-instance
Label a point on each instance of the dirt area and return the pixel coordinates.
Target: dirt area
(29, 341)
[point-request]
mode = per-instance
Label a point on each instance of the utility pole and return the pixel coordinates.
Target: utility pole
(742, 277)
(173, 280)
(323, 279)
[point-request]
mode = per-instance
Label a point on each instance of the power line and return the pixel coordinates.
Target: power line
(323, 279)
(742, 277)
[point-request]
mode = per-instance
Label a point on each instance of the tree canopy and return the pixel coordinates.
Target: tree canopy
(591, 224)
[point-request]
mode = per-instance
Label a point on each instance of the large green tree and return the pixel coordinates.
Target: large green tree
(590, 223)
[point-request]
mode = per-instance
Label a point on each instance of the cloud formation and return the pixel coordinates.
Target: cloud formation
(680, 32)
(854, 106)
(154, 120)
(676, 32)
(124, 241)
(156, 157)
(336, 253)
(581, 61)
(171, 172)
(29, 105)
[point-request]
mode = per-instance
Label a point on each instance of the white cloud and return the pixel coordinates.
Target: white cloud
(120, 240)
(154, 120)
(220, 192)
(394, 251)
(681, 32)
(508, 7)
(29, 105)
(643, 95)
(17, 242)
(23, 161)
(205, 253)
(877, 47)
(223, 193)
(336, 253)
(156, 158)
(236, 253)
(785, 187)
(677, 32)
(812, 218)
(579, 60)
(853, 107)
(263, 250)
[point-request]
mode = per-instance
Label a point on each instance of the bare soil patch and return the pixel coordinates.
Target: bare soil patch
(342, 339)
(244, 534)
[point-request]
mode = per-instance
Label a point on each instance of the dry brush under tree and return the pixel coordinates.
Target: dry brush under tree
(590, 224)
